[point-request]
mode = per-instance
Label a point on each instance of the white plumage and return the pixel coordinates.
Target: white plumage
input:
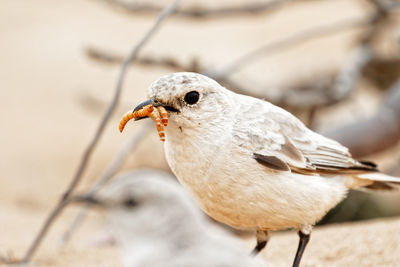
(251, 164)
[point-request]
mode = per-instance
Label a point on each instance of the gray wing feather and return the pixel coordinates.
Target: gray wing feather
(271, 131)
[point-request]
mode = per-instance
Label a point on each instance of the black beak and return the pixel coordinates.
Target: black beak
(145, 103)
(153, 101)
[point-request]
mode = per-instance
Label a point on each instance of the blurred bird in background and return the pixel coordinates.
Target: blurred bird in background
(155, 223)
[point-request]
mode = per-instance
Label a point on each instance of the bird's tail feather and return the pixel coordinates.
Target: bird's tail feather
(380, 181)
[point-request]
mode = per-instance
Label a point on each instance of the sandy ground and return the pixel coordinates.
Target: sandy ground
(369, 243)
(52, 98)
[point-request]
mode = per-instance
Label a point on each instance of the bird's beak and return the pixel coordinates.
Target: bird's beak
(152, 108)
(88, 199)
(143, 104)
(155, 103)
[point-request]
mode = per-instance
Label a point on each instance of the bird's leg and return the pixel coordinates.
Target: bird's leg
(304, 234)
(262, 239)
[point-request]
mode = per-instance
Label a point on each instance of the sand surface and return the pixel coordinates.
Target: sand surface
(368, 243)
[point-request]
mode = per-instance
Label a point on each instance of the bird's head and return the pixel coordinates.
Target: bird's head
(142, 202)
(190, 99)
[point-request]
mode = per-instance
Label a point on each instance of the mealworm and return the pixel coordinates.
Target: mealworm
(164, 115)
(155, 116)
(143, 112)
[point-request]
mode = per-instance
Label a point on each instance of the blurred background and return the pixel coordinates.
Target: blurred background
(333, 63)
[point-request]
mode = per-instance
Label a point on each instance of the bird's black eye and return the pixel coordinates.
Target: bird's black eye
(192, 97)
(130, 203)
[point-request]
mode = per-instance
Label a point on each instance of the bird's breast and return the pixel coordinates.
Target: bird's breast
(233, 188)
(210, 170)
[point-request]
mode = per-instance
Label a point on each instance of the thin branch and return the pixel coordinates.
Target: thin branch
(288, 42)
(379, 132)
(223, 74)
(339, 88)
(327, 91)
(323, 91)
(197, 12)
(125, 150)
(379, 14)
(106, 57)
(350, 73)
(87, 154)
(383, 7)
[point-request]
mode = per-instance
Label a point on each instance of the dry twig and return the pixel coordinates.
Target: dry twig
(379, 132)
(107, 57)
(286, 43)
(108, 173)
(87, 154)
(224, 74)
(103, 56)
(328, 90)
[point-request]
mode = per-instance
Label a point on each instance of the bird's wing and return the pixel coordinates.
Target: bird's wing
(280, 141)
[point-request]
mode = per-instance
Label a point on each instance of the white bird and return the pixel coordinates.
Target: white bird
(156, 224)
(253, 165)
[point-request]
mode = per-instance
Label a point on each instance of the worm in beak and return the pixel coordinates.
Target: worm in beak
(148, 109)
